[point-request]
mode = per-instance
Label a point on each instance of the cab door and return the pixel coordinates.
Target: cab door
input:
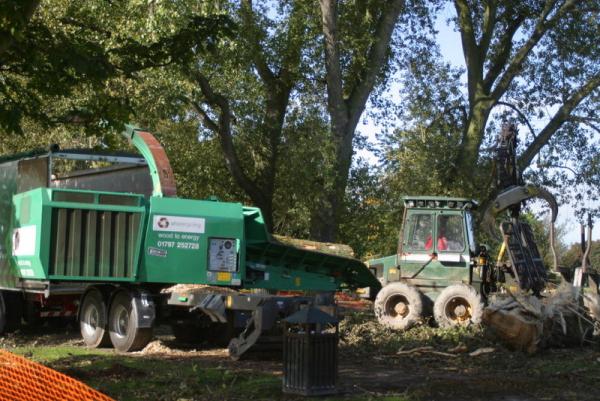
(417, 241)
(451, 245)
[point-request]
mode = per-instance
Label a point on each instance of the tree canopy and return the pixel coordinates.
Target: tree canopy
(261, 102)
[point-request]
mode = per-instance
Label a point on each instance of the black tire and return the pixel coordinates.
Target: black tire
(31, 314)
(399, 306)
(2, 313)
(93, 320)
(125, 334)
(12, 310)
(458, 304)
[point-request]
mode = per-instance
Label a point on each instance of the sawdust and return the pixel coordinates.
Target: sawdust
(198, 288)
(156, 347)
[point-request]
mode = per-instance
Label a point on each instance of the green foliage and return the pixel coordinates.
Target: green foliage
(573, 256)
(514, 71)
(63, 62)
(372, 216)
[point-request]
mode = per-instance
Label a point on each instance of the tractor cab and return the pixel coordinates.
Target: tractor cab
(436, 244)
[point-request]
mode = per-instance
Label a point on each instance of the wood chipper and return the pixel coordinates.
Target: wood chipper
(102, 236)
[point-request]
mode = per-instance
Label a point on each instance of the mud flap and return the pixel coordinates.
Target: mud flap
(146, 310)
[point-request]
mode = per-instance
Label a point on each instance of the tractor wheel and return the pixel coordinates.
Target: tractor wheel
(125, 334)
(92, 320)
(399, 306)
(458, 304)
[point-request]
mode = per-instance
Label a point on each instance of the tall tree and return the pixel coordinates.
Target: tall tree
(352, 73)
(527, 56)
(276, 61)
(533, 62)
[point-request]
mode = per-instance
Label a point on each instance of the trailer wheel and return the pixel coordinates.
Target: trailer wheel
(2, 313)
(92, 320)
(456, 305)
(125, 333)
(399, 306)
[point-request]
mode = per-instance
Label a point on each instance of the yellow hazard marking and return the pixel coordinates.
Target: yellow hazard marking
(223, 276)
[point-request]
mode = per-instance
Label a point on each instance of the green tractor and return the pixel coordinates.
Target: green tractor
(440, 270)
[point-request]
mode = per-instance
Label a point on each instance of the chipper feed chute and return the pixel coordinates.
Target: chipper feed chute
(272, 264)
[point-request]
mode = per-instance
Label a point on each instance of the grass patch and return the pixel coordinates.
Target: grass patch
(161, 378)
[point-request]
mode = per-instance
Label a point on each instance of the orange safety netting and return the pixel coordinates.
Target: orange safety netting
(24, 380)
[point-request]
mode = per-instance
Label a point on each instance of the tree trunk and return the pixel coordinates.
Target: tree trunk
(346, 105)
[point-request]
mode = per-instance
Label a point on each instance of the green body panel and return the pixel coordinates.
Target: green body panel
(431, 265)
(77, 235)
(175, 256)
(51, 234)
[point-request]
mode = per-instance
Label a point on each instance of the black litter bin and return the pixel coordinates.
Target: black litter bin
(310, 353)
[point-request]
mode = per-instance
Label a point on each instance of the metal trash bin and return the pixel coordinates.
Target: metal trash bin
(310, 353)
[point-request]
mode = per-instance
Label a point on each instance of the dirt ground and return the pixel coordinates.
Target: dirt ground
(426, 364)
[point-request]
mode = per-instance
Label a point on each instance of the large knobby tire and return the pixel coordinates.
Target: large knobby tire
(123, 327)
(399, 306)
(93, 320)
(458, 305)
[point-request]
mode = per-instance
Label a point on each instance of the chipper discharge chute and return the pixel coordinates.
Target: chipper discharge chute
(104, 237)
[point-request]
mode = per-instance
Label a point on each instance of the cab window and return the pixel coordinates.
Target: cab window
(450, 233)
(419, 233)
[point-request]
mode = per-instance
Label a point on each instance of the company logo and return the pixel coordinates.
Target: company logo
(194, 225)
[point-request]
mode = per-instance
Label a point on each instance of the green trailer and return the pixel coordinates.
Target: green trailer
(104, 237)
